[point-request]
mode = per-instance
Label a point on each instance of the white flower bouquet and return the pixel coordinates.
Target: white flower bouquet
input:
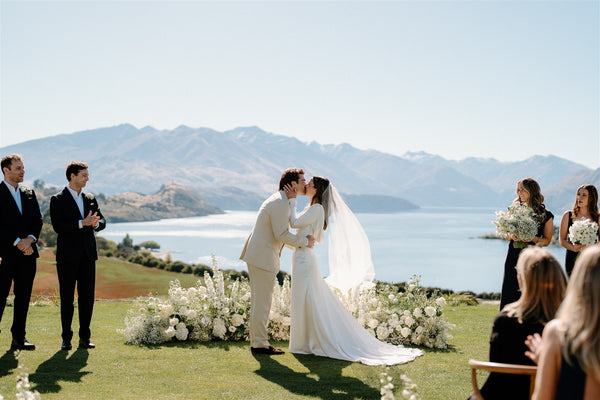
(583, 232)
(520, 221)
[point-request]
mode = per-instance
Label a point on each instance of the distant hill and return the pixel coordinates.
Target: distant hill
(249, 161)
(170, 201)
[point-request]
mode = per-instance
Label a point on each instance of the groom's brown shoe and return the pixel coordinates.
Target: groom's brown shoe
(266, 350)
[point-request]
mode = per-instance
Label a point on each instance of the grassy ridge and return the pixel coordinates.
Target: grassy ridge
(115, 279)
(115, 370)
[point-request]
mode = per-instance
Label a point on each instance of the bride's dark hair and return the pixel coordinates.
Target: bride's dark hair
(321, 184)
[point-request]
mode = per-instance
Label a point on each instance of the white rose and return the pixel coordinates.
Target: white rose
(173, 321)
(231, 328)
(440, 301)
(430, 311)
(409, 321)
(406, 312)
(419, 330)
(170, 331)
(373, 323)
(191, 314)
(382, 333)
(405, 332)
(418, 312)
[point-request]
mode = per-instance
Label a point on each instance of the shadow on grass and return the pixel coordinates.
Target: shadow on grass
(8, 362)
(60, 368)
(223, 345)
(324, 379)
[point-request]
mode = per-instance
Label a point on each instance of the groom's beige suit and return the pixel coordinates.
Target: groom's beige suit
(261, 253)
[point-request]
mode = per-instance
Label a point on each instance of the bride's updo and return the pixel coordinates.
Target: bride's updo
(321, 185)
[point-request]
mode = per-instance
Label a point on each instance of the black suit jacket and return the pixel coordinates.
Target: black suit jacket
(74, 244)
(15, 225)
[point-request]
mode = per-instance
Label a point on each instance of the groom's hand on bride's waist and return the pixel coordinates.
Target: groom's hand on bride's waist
(311, 241)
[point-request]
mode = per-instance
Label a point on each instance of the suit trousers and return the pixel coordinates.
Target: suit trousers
(261, 289)
(20, 270)
(83, 275)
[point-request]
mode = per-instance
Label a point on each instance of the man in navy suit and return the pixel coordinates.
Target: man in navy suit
(20, 226)
(75, 217)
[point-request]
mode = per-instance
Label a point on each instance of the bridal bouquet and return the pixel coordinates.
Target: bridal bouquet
(520, 221)
(583, 232)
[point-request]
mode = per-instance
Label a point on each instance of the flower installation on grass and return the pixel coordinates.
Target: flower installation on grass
(583, 232)
(520, 221)
(219, 309)
(407, 388)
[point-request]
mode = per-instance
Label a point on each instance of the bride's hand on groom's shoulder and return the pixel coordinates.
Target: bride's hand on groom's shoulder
(311, 241)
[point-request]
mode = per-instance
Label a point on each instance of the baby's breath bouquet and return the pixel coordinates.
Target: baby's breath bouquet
(583, 232)
(520, 221)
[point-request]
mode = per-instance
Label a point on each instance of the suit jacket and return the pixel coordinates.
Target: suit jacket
(270, 233)
(15, 225)
(73, 243)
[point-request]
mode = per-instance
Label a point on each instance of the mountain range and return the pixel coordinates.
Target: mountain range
(235, 169)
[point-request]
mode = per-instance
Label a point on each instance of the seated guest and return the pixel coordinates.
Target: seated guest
(568, 354)
(542, 283)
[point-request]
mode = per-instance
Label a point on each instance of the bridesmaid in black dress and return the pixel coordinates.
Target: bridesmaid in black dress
(586, 206)
(528, 191)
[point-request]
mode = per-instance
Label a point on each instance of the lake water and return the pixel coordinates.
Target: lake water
(439, 244)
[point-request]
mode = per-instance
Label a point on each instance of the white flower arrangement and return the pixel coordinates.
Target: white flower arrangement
(583, 232)
(27, 191)
(219, 309)
(90, 196)
(520, 221)
(409, 389)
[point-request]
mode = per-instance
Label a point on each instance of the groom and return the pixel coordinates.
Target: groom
(262, 251)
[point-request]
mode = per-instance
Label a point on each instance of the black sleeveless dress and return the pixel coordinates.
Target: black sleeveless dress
(510, 285)
(571, 381)
(571, 256)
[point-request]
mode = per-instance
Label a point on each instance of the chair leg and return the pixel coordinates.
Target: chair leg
(476, 391)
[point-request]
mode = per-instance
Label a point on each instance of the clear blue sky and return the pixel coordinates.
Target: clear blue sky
(502, 79)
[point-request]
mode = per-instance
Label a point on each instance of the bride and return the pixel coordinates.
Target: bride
(320, 324)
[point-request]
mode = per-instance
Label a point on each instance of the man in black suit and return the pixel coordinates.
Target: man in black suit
(75, 216)
(20, 226)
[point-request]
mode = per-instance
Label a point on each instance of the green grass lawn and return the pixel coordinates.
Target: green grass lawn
(223, 370)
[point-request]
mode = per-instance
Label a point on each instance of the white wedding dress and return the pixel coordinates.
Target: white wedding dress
(320, 323)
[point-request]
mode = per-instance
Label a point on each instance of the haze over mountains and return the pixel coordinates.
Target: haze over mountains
(236, 168)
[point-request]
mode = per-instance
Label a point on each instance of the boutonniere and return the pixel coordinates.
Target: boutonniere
(26, 190)
(89, 196)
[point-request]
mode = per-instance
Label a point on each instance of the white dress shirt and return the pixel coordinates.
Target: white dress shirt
(78, 197)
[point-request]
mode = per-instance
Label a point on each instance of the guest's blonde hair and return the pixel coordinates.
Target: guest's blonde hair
(543, 284)
(580, 312)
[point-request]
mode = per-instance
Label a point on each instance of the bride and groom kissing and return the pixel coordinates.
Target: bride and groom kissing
(320, 323)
